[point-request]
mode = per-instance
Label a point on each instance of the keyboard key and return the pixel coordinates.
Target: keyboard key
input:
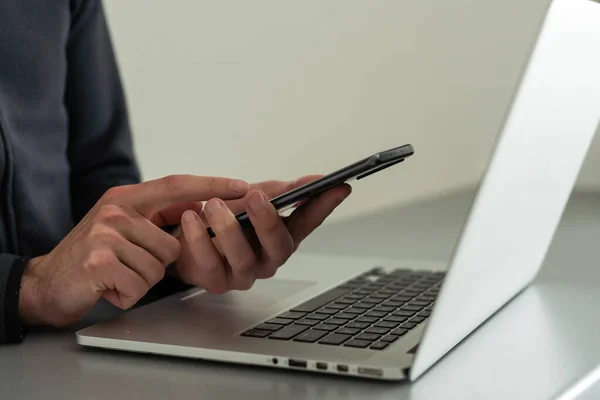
(327, 310)
(361, 344)
(326, 327)
(393, 303)
(367, 336)
(347, 331)
(425, 313)
(378, 314)
(256, 333)
(364, 306)
(354, 296)
(317, 302)
(292, 315)
(411, 308)
(367, 319)
(354, 310)
(372, 300)
(403, 313)
(346, 301)
(357, 325)
(408, 325)
(281, 321)
(310, 336)
(337, 306)
(269, 327)
(399, 332)
(335, 339)
(427, 297)
(309, 322)
(420, 303)
(385, 309)
(378, 331)
(379, 345)
(387, 324)
(335, 321)
(395, 318)
(389, 338)
(402, 298)
(379, 295)
(345, 315)
(288, 332)
(320, 317)
(417, 319)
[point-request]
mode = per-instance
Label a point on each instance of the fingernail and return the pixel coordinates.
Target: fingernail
(189, 216)
(239, 186)
(257, 202)
(212, 206)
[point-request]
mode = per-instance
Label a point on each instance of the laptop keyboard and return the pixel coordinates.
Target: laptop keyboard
(370, 311)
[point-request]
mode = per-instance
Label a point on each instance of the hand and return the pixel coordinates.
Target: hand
(235, 258)
(117, 252)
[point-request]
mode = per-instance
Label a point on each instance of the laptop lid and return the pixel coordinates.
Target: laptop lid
(536, 162)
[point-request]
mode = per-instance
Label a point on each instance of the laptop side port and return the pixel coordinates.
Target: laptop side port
(342, 368)
(297, 363)
(370, 371)
(322, 366)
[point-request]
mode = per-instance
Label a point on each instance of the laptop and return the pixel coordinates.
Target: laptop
(360, 318)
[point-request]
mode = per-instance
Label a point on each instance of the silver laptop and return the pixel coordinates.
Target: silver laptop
(394, 323)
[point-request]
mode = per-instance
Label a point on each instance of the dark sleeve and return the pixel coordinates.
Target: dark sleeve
(100, 144)
(11, 272)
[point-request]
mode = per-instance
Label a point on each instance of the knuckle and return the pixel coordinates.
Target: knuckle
(157, 274)
(172, 182)
(116, 192)
(99, 258)
(112, 214)
(172, 249)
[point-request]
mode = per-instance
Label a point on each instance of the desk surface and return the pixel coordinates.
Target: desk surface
(538, 346)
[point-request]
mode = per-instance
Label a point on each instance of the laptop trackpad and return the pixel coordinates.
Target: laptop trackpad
(264, 293)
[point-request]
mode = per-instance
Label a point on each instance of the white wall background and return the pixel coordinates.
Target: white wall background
(275, 89)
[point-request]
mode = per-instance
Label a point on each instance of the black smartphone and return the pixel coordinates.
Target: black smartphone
(356, 171)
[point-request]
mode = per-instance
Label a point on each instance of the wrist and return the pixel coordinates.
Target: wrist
(30, 311)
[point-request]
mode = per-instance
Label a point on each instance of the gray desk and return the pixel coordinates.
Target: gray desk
(538, 346)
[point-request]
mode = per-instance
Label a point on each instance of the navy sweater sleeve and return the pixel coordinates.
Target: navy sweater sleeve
(100, 147)
(11, 271)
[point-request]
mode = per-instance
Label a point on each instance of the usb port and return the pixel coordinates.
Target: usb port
(342, 368)
(297, 363)
(322, 366)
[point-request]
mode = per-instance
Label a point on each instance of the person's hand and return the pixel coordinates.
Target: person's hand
(236, 257)
(116, 252)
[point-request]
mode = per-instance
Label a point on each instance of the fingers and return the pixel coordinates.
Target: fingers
(172, 214)
(271, 189)
(154, 195)
(139, 260)
(135, 228)
(200, 262)
(311, 215)
(275, 239)
(126, 287)
(234, 245)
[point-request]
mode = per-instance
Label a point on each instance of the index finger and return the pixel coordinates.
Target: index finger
(156, 194)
